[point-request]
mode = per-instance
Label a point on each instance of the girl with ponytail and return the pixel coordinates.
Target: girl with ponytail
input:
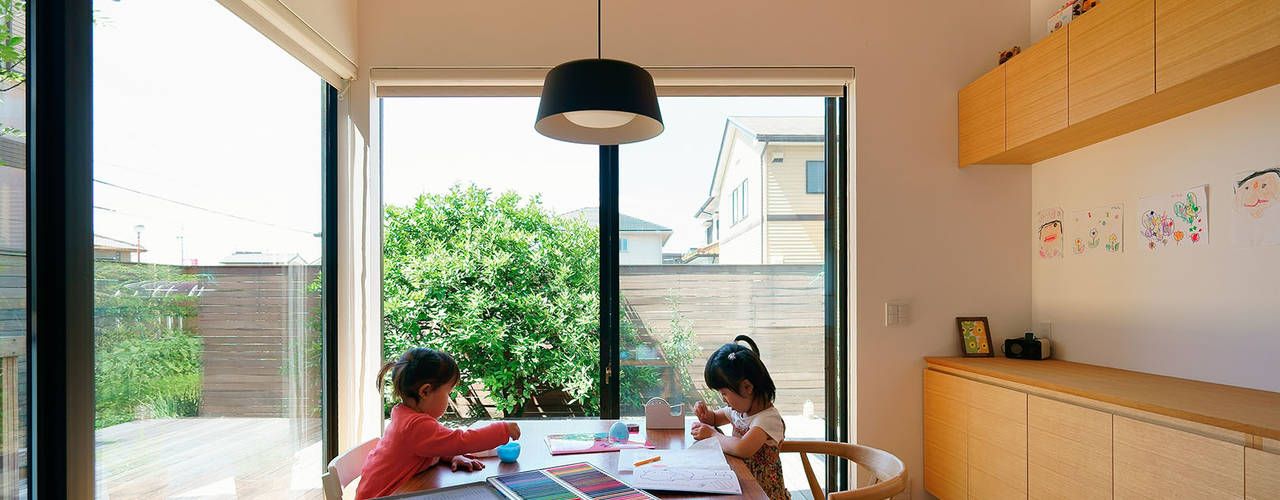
(746, 388)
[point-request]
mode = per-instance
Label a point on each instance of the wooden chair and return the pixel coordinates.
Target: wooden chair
(344, 469)
(890, 473)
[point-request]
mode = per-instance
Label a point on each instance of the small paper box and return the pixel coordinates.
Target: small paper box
(1062, 16)
(658, 414)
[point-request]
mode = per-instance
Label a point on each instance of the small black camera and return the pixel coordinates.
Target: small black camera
(1027, 347)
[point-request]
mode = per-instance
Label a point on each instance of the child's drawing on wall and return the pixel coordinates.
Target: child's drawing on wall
(1179, 219)
(1097, 230)
(1049, 232)
(1256, 220)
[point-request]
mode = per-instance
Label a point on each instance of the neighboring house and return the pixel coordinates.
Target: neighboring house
(639, 241)
(767, 195)
(111, 249)
(263, 259)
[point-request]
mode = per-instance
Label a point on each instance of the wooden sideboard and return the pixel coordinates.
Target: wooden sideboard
(1122, 66)
(997, 428)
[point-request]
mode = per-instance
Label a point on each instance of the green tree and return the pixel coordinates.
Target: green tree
(143, 360)
(13, 51)
(500, 283)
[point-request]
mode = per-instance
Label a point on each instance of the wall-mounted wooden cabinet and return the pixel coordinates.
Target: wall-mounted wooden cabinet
(1128, 64)
(1113, 57)
(981, 107)
(1036, 90)
(1196, 36)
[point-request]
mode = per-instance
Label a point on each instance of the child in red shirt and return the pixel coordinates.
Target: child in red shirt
(422, 379)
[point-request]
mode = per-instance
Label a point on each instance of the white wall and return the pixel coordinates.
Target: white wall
(643, 248)
(1040, 12)
(741, 241)
(333, 20)
(1202, 313)
(951, 241)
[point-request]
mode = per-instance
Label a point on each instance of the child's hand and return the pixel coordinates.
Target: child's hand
(513, 430)
(702, 431)
(465, 463)
(703, 413)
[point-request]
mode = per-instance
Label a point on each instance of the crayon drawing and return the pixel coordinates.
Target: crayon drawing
(1097, 230)
(1255, 217)
(1178, 219)
(1048, 228)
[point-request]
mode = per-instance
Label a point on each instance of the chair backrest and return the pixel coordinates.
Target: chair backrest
(890, 473)
(345, 468)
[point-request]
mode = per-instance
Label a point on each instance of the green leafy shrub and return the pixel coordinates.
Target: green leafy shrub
(503, 285)
(144, 364)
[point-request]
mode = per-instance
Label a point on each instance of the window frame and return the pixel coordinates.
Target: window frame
(836, 304)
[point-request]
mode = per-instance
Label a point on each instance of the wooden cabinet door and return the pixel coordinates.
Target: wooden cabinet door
(1156, 462)
(1261, 475)
(1068, 451)
(1111, 57)
(946, 450)
(997, 443)
(981, 115)
(1036, 90)
(1194, 36)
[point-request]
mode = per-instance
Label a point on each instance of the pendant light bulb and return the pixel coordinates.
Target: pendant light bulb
(600, 118)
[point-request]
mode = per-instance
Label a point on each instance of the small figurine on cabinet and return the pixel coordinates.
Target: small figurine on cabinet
(1084, 5)
(1007, 54)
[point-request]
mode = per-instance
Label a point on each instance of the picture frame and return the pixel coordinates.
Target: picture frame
(975, 337)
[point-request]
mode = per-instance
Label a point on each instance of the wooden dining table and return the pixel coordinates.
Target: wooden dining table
(535, 455)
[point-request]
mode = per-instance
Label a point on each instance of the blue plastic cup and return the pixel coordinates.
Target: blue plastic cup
(509, 452)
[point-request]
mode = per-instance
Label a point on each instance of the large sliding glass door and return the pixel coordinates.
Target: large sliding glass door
(725, 226)
(207, 232)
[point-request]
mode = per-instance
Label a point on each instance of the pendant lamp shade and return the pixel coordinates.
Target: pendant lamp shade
(599, 101)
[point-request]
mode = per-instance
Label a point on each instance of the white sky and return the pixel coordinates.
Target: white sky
(431, 143)
(214, 115)
(205, 111)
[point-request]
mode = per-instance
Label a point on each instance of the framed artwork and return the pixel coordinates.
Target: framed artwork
(975, 337)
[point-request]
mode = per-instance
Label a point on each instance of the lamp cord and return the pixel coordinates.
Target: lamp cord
(599, 44)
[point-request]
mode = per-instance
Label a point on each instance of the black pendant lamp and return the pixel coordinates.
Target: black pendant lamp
(599, 101)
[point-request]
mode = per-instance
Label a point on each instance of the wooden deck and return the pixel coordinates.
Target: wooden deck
(210, 458)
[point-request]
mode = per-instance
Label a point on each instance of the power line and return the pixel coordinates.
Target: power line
(197, 207)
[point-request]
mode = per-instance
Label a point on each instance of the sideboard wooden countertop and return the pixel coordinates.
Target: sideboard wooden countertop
(1250, 411)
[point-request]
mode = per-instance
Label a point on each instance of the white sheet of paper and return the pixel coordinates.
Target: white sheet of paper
(1097, 230)
(700, 468)
(697, 456)
(1255, 215)
(1179, 219)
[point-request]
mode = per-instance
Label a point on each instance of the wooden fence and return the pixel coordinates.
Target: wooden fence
(780, 306)
(13, 371)
(258, 324)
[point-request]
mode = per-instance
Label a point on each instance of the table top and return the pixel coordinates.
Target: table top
(1250, 411)
(535, 455)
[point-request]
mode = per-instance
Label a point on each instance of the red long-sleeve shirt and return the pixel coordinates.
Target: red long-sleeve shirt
(415, 441)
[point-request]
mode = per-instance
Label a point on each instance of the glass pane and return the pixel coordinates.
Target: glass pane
(760, 273)
(491, 254)
(207, 212)
(13, 253)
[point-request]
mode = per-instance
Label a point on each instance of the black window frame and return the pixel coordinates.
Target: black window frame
(60, 347)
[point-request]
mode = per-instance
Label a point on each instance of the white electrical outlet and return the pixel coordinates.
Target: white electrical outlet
(1045, 330)
(895, 313)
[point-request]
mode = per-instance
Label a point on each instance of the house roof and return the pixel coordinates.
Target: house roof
(626, 223)
(781, 128)
(104, 243)
(263, 258)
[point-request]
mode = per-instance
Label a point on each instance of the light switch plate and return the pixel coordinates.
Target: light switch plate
(895, 313)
